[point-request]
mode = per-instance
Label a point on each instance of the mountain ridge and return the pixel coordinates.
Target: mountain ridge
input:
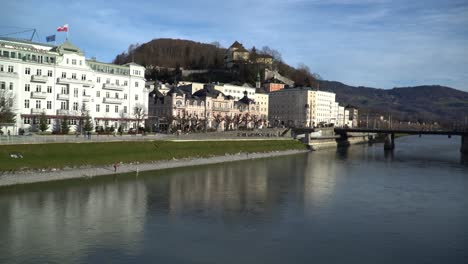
(423, 102)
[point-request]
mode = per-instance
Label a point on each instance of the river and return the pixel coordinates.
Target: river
(354, 205)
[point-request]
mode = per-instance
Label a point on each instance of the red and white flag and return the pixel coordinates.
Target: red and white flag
(63, 28)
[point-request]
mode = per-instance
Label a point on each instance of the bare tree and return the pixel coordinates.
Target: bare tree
(229, 120)
(6, 105)
(219, 119)
(139, 112)
(123, 119)
(272, 52)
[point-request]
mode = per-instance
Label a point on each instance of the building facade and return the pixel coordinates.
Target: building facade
(207, 108)
(61, 83)
(305, 107)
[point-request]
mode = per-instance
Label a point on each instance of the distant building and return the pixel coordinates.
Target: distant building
(236, 91)
(306, 107)
(353, 115)
(193, 86)
(273, 85)
(208, 107)
(262, 100)
(292, 107)
(238, 54)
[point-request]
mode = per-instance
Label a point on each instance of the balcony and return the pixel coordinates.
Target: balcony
(39, 95)
(39, 78)
(8, 74)
(110, 100)
(221, 109)
(63, 96)
(37, 111)
(111, 86)
(86, 98)
(70, 80)
(64, 112)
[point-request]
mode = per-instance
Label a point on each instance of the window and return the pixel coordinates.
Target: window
(38, 88)
(49, 73)
(84, 91)
(81, 62)
(98, 80)
(64, 90)
(125, 83)
(107, 81)
(75, 106)
(98, 94)
(49, 89)
(63, 106)
(27, 120)
(2, 86)
(98, 108)
(38, 104)
(49, 104)
(116, 108)
(125, 96)
(107, 94)
(107, 108)
(10, 68)
(64, 75)
(68, 61)
(11, 86)
(125, 109)
(117, 82)
(1, 68)
(73, 62)
(27, 87)
(83, 77)
(136, 97)
(39, 72)
(75, 92)
(117, 95)
(27, 71)
(74, 76)
(136, 84)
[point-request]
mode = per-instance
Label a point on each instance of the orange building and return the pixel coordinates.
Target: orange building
(273, 86)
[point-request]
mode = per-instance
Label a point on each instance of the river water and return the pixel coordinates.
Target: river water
(355, 205)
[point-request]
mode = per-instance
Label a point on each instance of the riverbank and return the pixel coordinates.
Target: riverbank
(21, 164)
(36, 176)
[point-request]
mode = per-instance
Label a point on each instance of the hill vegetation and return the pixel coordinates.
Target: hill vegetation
(428, 103)
(165, 58)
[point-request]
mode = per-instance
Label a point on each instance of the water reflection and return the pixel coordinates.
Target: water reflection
(59, 225)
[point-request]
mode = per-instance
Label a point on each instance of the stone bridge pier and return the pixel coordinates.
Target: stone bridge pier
(464, 144)
(389, 143)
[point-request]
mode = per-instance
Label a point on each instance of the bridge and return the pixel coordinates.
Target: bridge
(389, 133)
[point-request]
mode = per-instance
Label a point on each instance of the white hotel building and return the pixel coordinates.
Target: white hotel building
(59, 81)
(305, 107)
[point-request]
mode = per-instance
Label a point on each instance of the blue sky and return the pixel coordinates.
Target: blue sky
(377, 43)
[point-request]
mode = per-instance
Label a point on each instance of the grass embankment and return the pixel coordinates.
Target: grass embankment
(74, 154)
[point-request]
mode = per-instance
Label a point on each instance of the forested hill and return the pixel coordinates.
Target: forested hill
(160, 54)
(172, 53)
(406, 103)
